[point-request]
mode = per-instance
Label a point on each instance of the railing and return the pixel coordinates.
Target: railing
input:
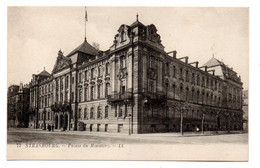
(119, 96)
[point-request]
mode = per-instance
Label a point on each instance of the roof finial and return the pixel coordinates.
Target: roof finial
(44, 68)
(137, 17)
(86, 19)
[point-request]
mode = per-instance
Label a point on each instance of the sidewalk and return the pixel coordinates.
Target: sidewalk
(154, 136)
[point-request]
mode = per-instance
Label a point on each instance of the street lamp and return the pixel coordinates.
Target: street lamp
(44, 117)
(129, 124)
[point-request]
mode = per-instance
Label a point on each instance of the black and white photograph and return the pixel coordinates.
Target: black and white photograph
(127, 83)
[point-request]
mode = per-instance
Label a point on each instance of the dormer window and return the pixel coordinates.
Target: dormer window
(123, 36)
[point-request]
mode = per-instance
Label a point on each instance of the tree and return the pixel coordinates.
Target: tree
(182, 107)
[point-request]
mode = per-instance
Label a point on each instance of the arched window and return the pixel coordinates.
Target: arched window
(99, 115)
(92, 112)
(123, 36)
(106, 112)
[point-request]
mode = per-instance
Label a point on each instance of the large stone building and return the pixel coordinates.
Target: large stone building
(18, 105)
(137, 87)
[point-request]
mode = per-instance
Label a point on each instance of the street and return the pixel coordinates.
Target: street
(24, 135)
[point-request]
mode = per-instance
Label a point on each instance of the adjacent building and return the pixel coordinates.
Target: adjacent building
(18, 106)
(135, 86)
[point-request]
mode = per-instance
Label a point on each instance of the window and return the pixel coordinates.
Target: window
(92, 93)
(107, 68)
(61, 97)
(67, 82)
(193, 78)
(92, 112)
(187, 94)
(198, 96)
(174, 90)
(80, 77)
(181, 92)
(123, 36)
(85, 94)
(92, 73)
(80, 95)
(167, 68)
(187, 76)
(98, 94)
(85, 113)
(216, 85)
(99, 115)
(115, 110)
(174, 71)
(207, 83)
(66, 96)
(203, 81)
(106, 90)
(181, 71)
(122, 90)
(61, 83)
(72, 96)
(79, 116)
(99, 71)
(106, 112)
(198, 80)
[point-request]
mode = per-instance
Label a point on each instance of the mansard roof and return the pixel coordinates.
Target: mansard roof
(212, 62)
(137, 23)
(44, 73)
(86, 48)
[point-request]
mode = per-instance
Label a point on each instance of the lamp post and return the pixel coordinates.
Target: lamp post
(129, 124)
(44, 117)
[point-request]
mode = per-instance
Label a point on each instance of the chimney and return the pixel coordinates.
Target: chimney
(186, 59)
(197, 64)
(174, 53)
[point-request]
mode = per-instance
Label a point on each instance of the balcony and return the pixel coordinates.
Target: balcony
(155, 97)
(118, 97)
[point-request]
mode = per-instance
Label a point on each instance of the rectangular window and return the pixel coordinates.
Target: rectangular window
(181, 73)
(98, 94)
(174, 71)
(86, 94)
(187, 76)
(92, 93)
(193, 78)
(80, 79)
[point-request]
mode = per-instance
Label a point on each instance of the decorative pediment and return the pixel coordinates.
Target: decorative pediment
(61, 62)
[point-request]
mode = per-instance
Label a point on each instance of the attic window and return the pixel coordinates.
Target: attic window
(123, 36)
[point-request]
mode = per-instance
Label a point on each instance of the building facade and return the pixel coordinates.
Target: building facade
(136, 87)
(18, 106)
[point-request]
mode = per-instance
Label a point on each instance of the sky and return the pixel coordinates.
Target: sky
(36, 34)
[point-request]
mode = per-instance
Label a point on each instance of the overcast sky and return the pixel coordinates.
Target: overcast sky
(35, 34)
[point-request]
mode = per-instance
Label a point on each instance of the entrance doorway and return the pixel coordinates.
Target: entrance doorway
(120, 128)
